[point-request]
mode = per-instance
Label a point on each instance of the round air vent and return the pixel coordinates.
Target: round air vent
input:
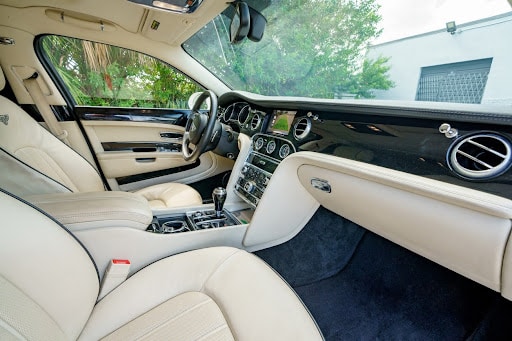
(255, 121)
(480, 156)
(302, 128)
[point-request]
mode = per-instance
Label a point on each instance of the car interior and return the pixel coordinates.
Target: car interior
(235, 215)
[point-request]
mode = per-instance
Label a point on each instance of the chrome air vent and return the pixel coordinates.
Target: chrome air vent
(302, 128)
(481, 156)
(255, 121)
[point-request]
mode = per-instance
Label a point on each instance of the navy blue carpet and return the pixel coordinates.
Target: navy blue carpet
(381, 291)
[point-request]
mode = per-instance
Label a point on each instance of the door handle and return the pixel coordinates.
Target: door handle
(171, 135)
(145, 159)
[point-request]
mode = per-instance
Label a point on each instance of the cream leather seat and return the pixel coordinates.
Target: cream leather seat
(23, 138)
(49, 287)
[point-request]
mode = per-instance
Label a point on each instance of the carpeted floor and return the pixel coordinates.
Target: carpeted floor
(381, 291)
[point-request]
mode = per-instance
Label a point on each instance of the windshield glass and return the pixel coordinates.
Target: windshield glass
(436, 50)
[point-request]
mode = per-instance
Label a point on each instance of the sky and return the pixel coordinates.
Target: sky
(403, 18)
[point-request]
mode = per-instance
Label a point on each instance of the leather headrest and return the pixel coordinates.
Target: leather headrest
(2, 79)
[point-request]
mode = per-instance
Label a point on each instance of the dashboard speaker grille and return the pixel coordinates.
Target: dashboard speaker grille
(481, 156)
(302, 128)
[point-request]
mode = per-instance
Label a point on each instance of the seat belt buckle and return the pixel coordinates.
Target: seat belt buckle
(116, 273)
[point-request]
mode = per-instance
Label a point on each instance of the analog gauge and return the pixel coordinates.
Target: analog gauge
(284, 151)
(243, 116)
(228, 113)
(271, 146)
(259, 143)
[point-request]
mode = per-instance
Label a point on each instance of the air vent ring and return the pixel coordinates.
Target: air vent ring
(255, 121)
(302, 128)
(480, 156)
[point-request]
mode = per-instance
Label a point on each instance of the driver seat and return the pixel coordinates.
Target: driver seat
(26, 144)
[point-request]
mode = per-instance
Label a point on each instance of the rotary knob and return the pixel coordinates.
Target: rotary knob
(249, 186)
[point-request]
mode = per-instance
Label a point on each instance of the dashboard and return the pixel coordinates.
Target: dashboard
(292, 125)
(462, 145)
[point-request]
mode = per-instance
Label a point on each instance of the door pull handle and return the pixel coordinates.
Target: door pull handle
(145, 159)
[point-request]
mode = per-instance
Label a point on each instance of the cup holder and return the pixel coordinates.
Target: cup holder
(174, 226)
(191, 221)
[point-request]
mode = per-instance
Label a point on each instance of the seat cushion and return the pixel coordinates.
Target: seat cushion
(217, 293)
(170, 195)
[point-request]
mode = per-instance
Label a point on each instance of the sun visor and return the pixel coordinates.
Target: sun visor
(177, 6)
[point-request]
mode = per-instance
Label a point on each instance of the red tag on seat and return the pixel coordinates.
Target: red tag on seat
(120, 261)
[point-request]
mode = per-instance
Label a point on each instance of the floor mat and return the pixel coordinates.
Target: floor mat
(389, 293)
(322, 249)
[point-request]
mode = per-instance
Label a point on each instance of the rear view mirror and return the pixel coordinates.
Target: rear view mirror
(258, 24)
(240, 23)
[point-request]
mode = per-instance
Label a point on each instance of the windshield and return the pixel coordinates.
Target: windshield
(437, 50)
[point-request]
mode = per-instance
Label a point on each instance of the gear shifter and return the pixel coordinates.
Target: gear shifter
(219, 197)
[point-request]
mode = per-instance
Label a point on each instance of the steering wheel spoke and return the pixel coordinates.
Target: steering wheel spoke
(199, 127)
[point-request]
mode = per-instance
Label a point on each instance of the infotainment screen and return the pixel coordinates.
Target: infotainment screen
(281, 122)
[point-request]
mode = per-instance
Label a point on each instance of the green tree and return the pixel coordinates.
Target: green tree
(102, 75)
(308, 58)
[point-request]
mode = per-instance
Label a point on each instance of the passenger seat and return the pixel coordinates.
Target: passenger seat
(49, 288)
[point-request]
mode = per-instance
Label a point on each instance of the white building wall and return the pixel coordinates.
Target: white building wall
(486, 38)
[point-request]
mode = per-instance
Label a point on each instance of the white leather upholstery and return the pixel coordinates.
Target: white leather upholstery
(25, 139)
(2, 80)
(15, 174)
(93, 210)
(48, 288)
(170, 195)
(48, 283)
(255, 302)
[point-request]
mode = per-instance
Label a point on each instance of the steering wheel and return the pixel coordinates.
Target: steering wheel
(199, 127)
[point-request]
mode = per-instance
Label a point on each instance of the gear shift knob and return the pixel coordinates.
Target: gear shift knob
(219, 197)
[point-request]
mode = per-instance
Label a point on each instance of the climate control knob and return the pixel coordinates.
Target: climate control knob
(249, 186)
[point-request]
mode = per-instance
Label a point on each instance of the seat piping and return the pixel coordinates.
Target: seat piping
(58, 223)
(35, 170)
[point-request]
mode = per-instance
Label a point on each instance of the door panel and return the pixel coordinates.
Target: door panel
(137, 154)
(131, 148)
(122, 164)
(209, 165)
(131, 108)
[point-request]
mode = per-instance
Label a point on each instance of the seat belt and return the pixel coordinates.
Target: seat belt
(44, 108)
(116, 273)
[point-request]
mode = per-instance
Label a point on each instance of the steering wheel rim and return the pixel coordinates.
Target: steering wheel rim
(199, 127)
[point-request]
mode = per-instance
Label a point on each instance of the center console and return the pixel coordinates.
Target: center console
(199, 219)
(192, 221)
(266, 153)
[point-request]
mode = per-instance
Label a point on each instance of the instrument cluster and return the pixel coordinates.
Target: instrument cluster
(241, 115)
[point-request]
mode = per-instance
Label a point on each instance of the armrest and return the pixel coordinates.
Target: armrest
(84, 211)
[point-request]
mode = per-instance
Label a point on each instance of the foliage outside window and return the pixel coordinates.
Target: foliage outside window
(324, 58)
(103, 75)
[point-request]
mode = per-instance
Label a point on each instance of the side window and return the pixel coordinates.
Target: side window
(103, 75)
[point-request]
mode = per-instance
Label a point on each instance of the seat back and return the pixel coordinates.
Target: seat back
(48, 283)
(22, 137)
